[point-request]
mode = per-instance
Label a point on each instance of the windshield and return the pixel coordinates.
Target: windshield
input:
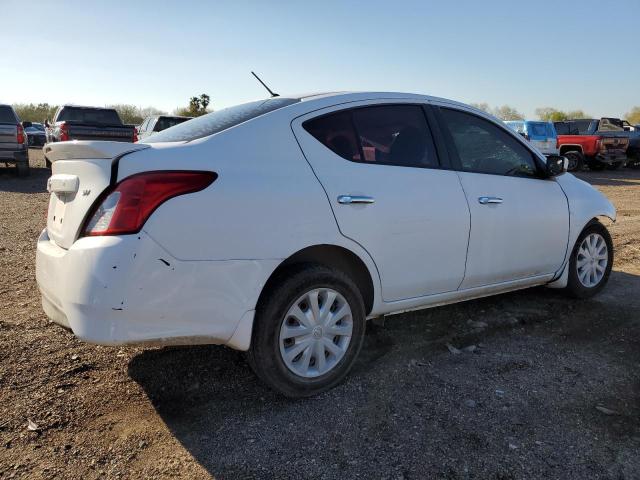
(218, 121)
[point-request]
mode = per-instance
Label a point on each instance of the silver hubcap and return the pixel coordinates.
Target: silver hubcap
(592, 259)
(316, 332)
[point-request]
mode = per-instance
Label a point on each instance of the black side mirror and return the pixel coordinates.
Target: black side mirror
(556, 165)
(46, 123)
(27, 124)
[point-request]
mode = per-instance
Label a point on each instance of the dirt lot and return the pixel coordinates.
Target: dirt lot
(551, 390)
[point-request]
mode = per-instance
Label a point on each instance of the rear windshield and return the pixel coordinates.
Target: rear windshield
(100, 116)
(218, 121)
(167, 122)
(7, 115)
(610, 125)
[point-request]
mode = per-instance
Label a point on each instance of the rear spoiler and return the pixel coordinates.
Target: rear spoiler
(89, 149)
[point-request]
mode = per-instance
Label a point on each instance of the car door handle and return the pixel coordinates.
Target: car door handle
(348, 199)
(489, 200)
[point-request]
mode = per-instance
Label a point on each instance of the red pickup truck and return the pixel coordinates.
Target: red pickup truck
(591, 142)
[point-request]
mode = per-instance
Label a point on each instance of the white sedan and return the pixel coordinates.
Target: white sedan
(280, 226)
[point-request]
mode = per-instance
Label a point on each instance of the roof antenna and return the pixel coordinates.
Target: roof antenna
(265, 86)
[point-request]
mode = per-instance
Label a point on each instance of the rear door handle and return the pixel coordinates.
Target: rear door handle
(349, 199)
(489, 200)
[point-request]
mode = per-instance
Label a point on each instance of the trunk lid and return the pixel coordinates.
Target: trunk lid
(81, 171)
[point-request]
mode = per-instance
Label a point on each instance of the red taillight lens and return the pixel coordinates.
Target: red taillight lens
(135, 134)
(127, 207)
(64, 132)
(20, 135)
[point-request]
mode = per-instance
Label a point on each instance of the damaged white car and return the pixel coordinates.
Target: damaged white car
(279, 226)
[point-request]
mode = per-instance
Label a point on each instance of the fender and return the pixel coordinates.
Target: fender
(585, 204)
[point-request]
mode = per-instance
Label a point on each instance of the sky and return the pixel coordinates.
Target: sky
(563, 54)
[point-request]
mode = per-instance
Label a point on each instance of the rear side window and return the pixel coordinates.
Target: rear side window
(220, 120)
(98, 116)
(7, 115)
(483, 147)
(386, 134)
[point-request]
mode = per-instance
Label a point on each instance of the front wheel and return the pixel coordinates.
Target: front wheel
(591, 261)
(308, 331)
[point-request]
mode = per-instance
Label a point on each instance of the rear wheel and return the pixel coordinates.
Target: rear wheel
(634, 162)
(576, 160)
(591, 261)
(614, 166)
(308, 331)
(597, 166)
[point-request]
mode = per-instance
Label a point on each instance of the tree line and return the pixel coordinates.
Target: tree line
(130, 114)
(199, 105)
(548, 114)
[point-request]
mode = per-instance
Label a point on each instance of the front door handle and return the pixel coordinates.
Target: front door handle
(489, 200)
(349, 199)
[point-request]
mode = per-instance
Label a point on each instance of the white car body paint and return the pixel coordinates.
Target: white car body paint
(195, 271)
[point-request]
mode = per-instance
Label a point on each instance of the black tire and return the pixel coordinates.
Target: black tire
(576, 160)
(22, 168)
(614, 166)
(264, 355)
(574, 287)
(634, 162)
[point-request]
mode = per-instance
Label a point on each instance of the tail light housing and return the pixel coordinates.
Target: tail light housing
(135, 134)
(64, 132)
(125, 208)
(599, 146)
(20, 137)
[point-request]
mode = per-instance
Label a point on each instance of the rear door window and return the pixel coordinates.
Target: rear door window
(7, 115)
(385, 134)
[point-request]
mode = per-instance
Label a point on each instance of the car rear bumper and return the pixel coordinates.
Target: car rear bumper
(129, 290)
(13, 156)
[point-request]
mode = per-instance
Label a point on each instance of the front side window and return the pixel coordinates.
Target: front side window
(385, 134)
(483, 147)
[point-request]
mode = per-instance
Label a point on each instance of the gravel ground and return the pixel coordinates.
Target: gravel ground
(543, 387)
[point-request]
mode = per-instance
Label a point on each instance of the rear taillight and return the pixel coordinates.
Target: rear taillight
(20, 135)
(127, 206)
(135, 134)
(599, 145)
(64, 132)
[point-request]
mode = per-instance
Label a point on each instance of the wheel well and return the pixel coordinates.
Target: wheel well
(570, 148)
(331, 256)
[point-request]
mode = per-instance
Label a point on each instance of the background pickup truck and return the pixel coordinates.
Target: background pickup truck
(592, 141)
(13, 141)
(88, 123)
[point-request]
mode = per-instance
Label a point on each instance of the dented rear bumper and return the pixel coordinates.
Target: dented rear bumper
(128, 290)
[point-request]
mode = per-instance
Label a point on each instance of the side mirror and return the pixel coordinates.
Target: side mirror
(556, 165)
(46, 123)
(27, 124)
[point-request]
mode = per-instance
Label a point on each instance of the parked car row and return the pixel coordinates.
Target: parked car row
(597, 143)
